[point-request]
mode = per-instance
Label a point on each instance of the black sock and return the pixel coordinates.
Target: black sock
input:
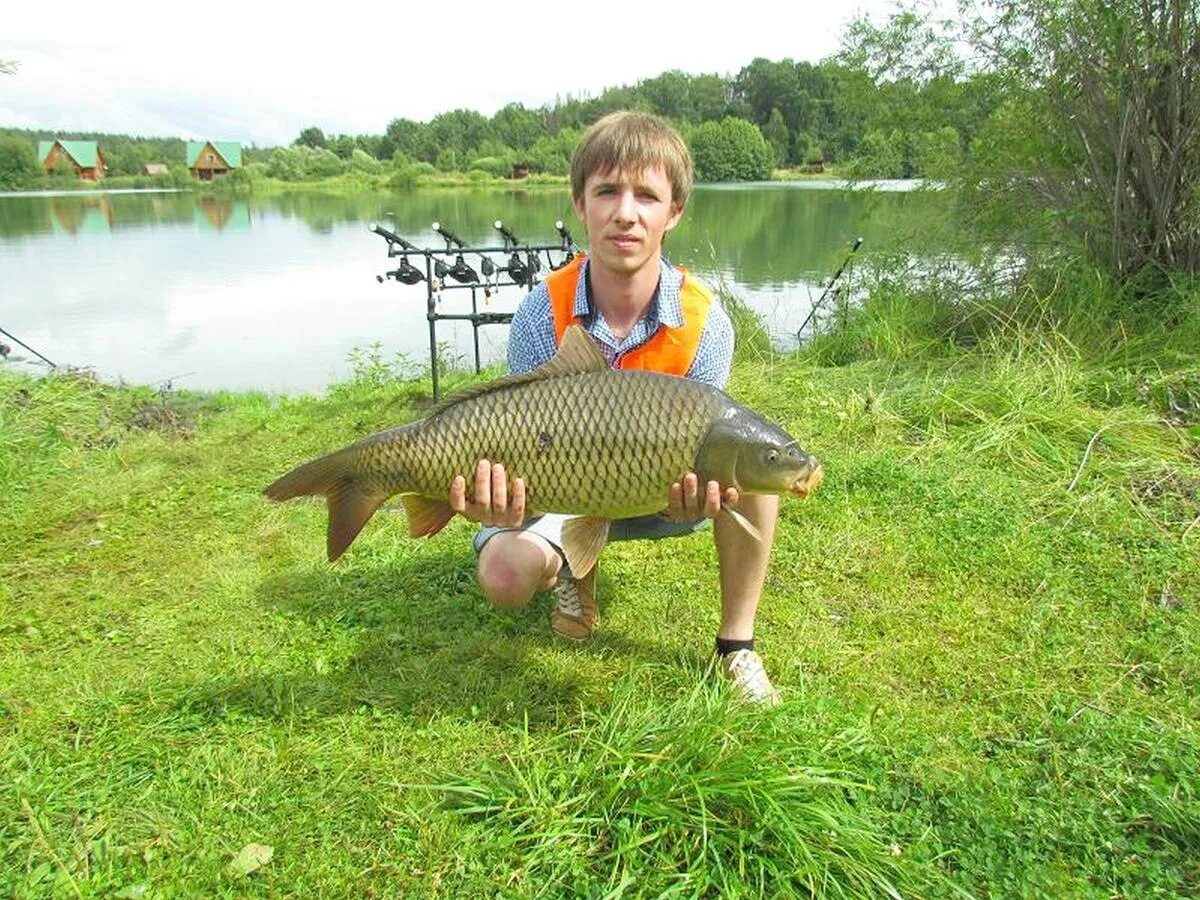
(725, 647)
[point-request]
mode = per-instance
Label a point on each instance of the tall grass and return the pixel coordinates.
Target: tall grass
(684, 796)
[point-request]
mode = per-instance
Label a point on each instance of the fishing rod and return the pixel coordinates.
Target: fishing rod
(832, 281)
(27, 347)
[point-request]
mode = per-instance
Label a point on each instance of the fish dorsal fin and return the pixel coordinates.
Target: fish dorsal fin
(577, 353)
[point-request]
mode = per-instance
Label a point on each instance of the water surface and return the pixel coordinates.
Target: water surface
(276, 293)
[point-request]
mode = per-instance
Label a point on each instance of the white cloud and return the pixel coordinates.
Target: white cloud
(261, 72)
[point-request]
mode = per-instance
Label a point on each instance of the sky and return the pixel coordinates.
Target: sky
(261, 72)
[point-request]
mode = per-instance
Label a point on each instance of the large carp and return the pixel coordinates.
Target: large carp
(588, 440)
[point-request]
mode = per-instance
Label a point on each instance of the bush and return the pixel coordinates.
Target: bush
(495, 166)
(731, 150)
(18, 164)
(363, 163)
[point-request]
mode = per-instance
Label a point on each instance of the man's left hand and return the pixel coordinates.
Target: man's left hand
(686, 502)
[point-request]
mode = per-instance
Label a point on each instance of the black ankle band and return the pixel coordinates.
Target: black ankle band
(725, 647)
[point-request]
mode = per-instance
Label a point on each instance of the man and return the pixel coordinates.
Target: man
(630, 180)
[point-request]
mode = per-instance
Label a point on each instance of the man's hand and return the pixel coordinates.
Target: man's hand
(493, 502)
(686, 503)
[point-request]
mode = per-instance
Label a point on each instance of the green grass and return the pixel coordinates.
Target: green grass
(986, 625)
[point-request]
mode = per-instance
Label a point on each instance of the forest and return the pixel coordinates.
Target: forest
(773, 114)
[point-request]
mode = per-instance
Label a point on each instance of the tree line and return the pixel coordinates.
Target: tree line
(772, 114)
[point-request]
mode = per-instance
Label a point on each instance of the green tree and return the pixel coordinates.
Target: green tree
(460, 130)
(881, 155)
(516, 126)
(730, 150)
(343, 146)
(311, 137)
(776, 133)
(18, 164)
(402, 136)
(1083, 119)
(364, 163)
(938, 153)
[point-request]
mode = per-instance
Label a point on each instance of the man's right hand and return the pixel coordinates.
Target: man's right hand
(493, 503)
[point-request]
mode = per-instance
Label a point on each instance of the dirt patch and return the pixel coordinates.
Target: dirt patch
(1166, 485)
(165, 416)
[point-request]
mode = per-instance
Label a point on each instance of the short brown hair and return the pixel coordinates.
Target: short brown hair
(633, 141)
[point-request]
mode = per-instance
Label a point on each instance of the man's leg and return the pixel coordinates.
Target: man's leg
(742, 561)
(514, 565)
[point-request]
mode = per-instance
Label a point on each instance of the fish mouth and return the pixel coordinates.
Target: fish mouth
(813, 474)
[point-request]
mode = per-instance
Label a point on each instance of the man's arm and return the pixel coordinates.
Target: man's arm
(531, 333)
(714, 356)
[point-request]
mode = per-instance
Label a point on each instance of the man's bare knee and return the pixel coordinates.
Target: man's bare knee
(512, 569)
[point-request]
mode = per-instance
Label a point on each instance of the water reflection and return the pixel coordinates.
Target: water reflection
(274, 293)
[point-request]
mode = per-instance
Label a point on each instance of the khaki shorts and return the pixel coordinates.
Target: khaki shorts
(639, 528)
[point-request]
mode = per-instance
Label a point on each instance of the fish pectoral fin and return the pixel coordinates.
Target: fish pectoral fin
(742, 521)
(426, 516)
(349, 508)
(582, 540)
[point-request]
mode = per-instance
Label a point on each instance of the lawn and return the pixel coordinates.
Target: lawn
(985, 624)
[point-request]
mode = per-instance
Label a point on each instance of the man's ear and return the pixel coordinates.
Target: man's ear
(676, 215)
(579, 203)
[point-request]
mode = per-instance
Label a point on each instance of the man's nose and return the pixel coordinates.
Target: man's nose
(627, 207)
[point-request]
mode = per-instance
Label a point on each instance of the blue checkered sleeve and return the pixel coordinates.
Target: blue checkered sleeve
(531, 335)
(714, 356)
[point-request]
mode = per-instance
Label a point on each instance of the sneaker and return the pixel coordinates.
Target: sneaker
(574, 614)
(744, 669)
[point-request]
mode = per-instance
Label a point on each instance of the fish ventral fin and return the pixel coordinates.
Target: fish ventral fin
(742, 521)
(577, 353)
(349, 509)
(426, 516)
(582, 540)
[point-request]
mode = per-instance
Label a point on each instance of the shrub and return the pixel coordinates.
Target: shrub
(730, 150)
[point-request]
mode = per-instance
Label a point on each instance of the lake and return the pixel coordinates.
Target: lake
(276, 293)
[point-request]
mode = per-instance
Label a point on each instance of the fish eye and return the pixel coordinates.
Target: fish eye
(772, 455)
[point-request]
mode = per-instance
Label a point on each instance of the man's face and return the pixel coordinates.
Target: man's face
(626, 215)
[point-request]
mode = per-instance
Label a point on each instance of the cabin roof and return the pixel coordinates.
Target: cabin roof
(231, 152)
(85, 153)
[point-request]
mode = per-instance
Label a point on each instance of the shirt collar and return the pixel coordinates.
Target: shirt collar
(665, 308)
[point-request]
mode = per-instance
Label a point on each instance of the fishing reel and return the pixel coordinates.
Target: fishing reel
(406, 274)
(461, 272)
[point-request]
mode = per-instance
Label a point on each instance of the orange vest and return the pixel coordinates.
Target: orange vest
(669, 350)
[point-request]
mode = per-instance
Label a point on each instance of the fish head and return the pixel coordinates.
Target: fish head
(745, 451)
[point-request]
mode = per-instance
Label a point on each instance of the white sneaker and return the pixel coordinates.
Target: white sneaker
(744, 669)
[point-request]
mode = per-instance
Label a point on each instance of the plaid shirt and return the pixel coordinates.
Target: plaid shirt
(531, 339)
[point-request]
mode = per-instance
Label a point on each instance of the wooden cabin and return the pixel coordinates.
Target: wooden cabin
(82, 156)
(209, 159)
(155, 169)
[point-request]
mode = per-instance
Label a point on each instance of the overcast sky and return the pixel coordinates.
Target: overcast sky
(259, 73)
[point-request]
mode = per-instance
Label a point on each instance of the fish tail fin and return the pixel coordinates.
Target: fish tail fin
(350, 506)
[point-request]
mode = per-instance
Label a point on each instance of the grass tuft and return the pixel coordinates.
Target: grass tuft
(680, 796)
